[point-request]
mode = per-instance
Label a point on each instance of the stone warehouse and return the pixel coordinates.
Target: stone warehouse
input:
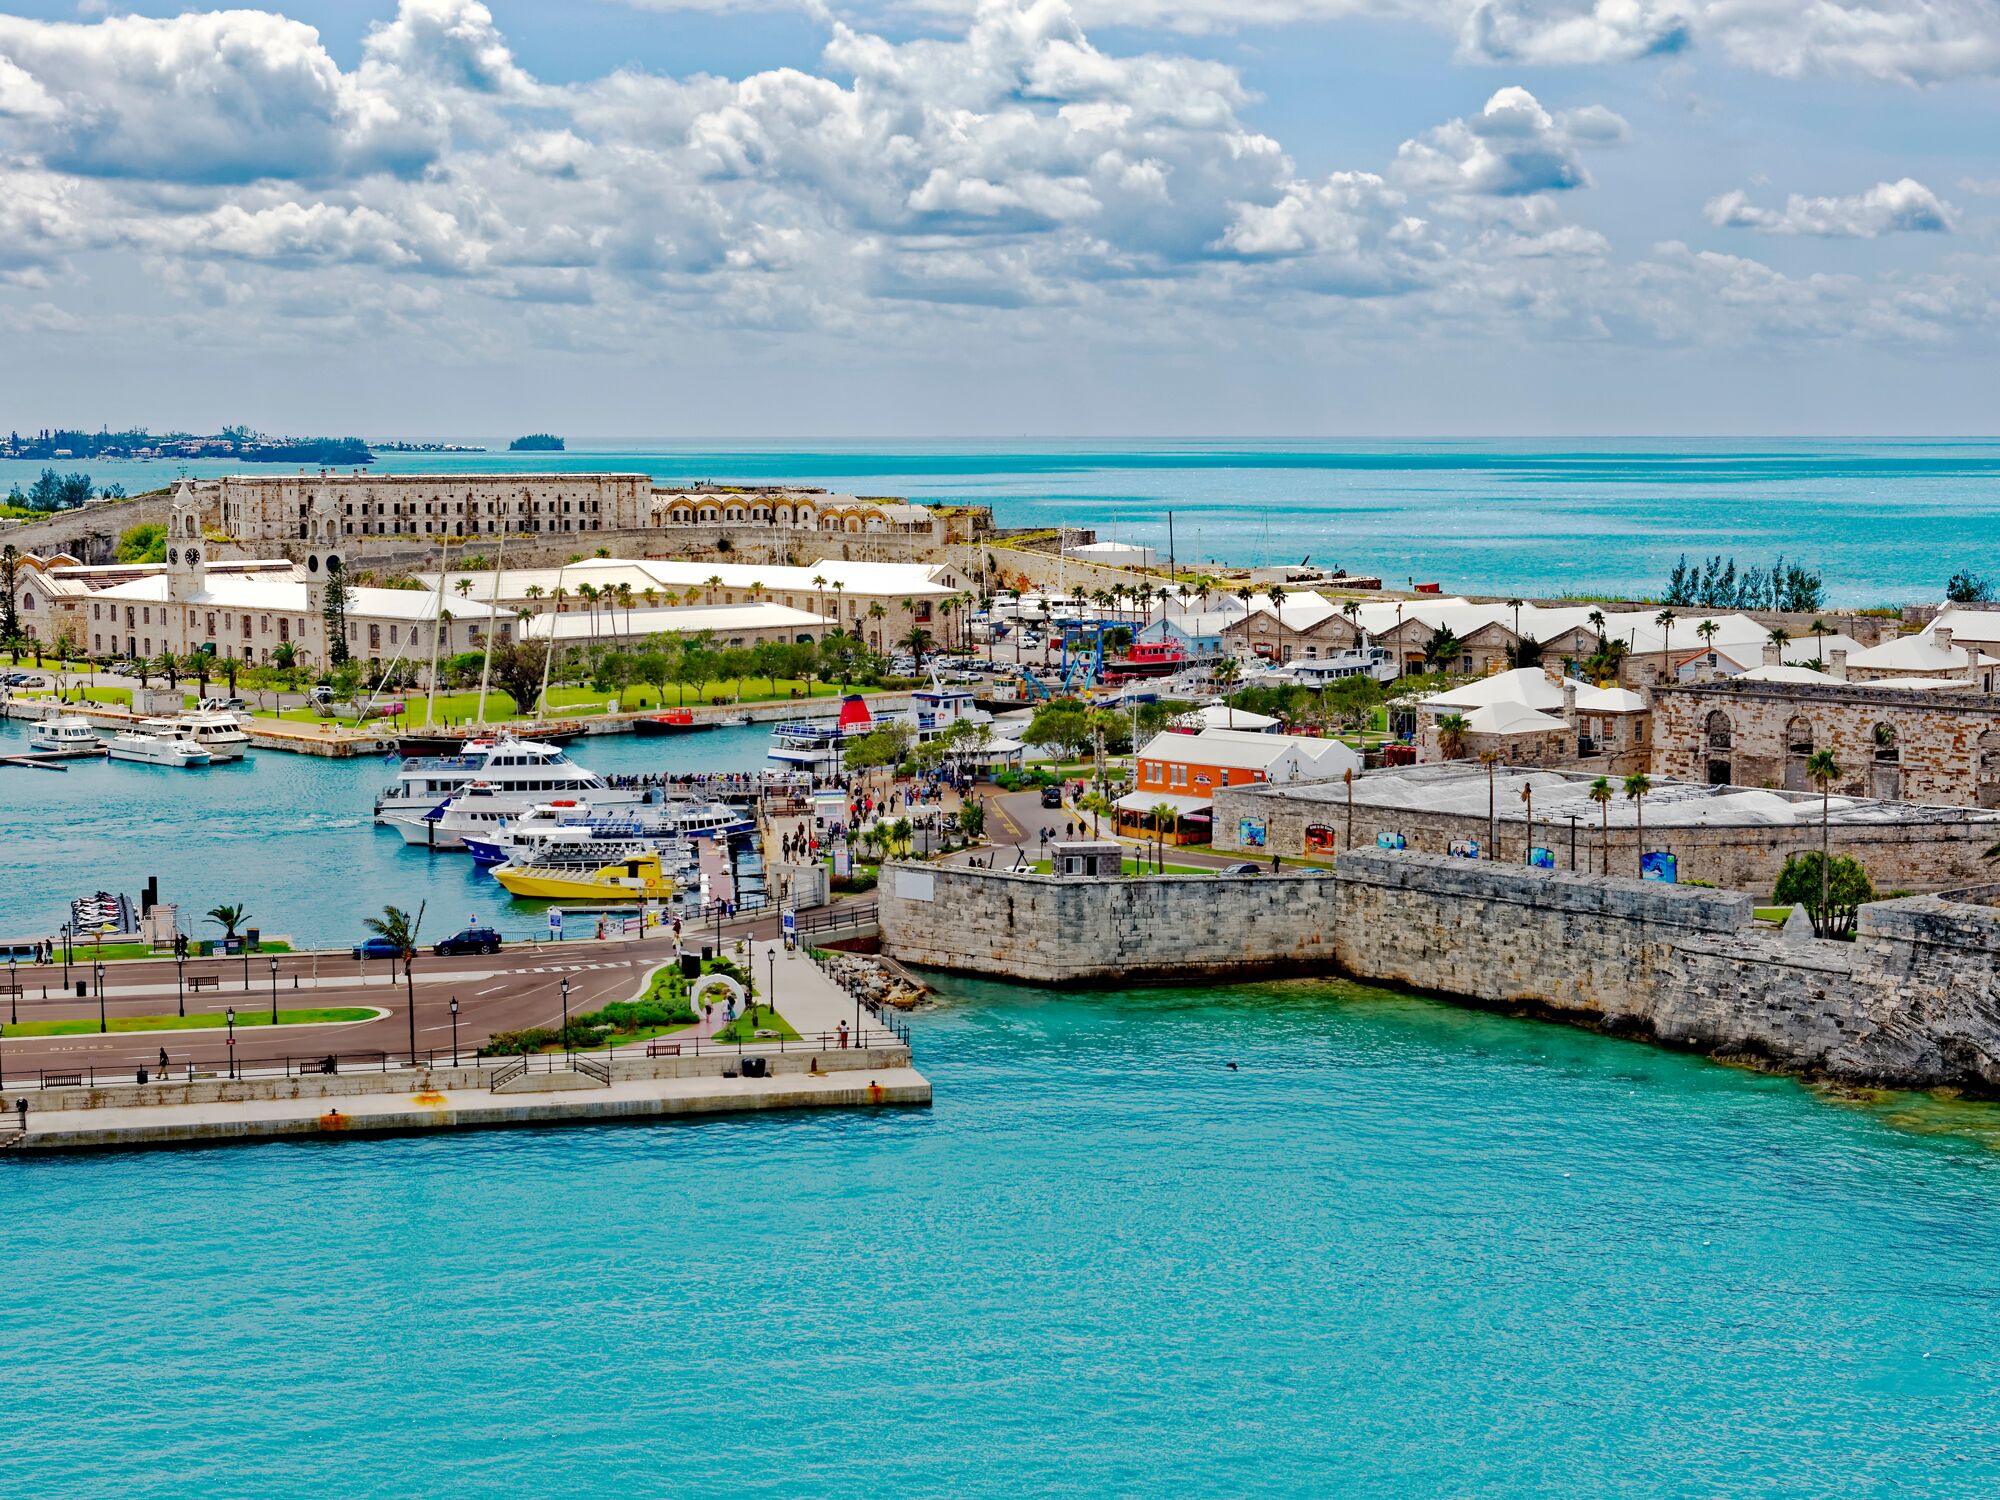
(1931, 740)
(1735, 838)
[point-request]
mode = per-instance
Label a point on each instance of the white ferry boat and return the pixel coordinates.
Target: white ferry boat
(156, 742)
(513, 774)
(819, 745)
(220, 734)
(672, 823)
(65, 734)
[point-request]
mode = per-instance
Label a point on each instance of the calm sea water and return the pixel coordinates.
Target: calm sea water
(292, 837)
(1404, 1250)
(1883, 520)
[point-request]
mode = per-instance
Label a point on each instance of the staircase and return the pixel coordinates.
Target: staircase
(10, 1140)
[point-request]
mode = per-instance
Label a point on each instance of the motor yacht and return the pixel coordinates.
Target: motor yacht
(220, 734)
(516, 774)
(65, 734)
(673, 822)
(156, 742)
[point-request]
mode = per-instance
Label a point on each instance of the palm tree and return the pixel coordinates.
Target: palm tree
(1276, 594)
(652, 595)
(1636, 787)
(1596, 618)
(1820, 630)
(917, 642)
(1822, 770)
(877, 611)
(396, 925)
(1227, 673)
(1665, 620)
(1779, 637)
(712, 583)
(1515, 605)
(1352, 609)
(819, 583)
(1162, 812)
(1708, 630)
(1443, 645)
(1600, 793)
(1451, 736)
(229, 918)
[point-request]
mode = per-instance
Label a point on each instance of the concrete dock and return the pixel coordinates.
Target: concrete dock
(604, 1090)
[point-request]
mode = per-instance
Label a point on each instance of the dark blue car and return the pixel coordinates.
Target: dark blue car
(472, 940)
(377, 947)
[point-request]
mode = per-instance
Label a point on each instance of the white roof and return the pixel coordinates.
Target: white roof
(1245, 750)
(286, 594)
(898, 580)
(1783, 674)
(1532, 687)
(1300, 611)
(1913, 653)
(1512, 718)
(1221, 716)
(1980, 626)
(577, 625)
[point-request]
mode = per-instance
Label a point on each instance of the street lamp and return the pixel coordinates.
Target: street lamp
(274, 992)
(771, 989)
(180, 982)
(230, 1016)
(13, 992)
(102, 1027)
(571, 1051)
(454, 1031)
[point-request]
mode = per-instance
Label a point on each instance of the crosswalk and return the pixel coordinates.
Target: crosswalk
(627, 963)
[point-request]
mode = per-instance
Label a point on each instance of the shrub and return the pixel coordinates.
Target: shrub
(1848, 890)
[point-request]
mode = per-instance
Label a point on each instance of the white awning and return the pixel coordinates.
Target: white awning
(1145, 802)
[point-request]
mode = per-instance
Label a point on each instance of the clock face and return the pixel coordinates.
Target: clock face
(194, 554)
(312, 563)
(173, 556)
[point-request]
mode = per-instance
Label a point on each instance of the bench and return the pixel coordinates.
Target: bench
(62, 1080)
(200, 982)
(663, 1049)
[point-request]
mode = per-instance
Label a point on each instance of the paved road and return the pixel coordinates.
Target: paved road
(520, 986)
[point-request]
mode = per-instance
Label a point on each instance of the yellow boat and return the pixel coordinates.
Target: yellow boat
(638, 877)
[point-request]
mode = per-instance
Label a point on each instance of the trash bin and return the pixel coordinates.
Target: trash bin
(253, 938)
(690, 966)
(82, 988)
(142, 1075)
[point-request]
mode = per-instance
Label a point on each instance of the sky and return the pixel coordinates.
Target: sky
(1001, 218)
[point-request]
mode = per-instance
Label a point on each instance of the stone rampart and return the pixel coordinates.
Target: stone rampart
(1049, 930)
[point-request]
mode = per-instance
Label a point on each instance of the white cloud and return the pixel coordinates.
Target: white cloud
(1511, 148)
(1905, 206)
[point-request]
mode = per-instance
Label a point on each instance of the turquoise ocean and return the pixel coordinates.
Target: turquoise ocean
(1885, 521)
(1400, 1249)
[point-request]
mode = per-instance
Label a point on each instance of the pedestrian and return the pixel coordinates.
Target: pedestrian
(163, 1062)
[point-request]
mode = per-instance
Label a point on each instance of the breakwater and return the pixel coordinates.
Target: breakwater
(1913, 1001)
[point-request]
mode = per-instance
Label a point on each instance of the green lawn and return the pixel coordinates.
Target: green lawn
(757, 1018)
(245, 1019)
(563, 702)
(1136, 867)
(83, 951)
(109, 697)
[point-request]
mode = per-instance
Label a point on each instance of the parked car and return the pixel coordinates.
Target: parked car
(471, 940)
(319, 695)
(1246, 868)
(377, 947)
(224, 705)
(1052, 796)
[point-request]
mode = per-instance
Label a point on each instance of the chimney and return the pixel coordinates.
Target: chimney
(1942, 635)
(1774, 656)
(1836, 664)
(1569, 702)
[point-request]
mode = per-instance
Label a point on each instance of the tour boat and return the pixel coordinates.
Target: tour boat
(220, 734)
(516, 773)
(672, 721)
(819, 745)
(66, 734)
(155, 742)
(638, 876)
(674, 821)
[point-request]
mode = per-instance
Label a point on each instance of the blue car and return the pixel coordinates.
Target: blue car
(377, 947)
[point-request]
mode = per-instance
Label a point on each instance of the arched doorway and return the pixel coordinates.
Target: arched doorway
(1717, 741)
(1988, 785)
(1798, 750)
(1886, 764)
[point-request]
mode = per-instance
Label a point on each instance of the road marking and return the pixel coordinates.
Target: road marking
(491, 989)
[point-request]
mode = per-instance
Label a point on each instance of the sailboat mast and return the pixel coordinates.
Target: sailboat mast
(437, 629)
(493, 604)
(549, 651)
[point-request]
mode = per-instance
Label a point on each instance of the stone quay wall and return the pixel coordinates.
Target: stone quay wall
(1935, 849)
(1913, 1002)
(1053, 931)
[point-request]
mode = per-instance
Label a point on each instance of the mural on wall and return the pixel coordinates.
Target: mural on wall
(1659, 865)
(1390, 841)
(1542, 859)
(1250, 832)
(1464, 848)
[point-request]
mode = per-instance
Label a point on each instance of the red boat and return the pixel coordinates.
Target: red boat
(1146, 659)
(673, 721)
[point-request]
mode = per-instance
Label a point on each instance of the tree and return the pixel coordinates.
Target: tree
(1443, 645)
(1061, 725)
(1968, 588)
(1636, 787)
(142, 544)
(1226, 674)
(1162, 812)
(335, 615)
(1600, 793)
(229, 918)
(1832, 891)
(1822, 770)
(401, 930)
(1665, 620)
(1451, 736)
(972, 819)
(916, 642)
(517, 671)
(10, 609)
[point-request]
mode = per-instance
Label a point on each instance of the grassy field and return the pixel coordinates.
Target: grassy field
(563, 702)
(83, 951)
(757, 1018)
(245, 1020)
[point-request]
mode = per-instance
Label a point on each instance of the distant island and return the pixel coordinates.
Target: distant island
(398, 446)
(240, 443)
(536, 442)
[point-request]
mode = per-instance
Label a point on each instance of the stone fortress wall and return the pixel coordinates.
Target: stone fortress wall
(1913, 1002)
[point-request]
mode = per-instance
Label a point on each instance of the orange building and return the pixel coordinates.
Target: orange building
(1181, 772)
